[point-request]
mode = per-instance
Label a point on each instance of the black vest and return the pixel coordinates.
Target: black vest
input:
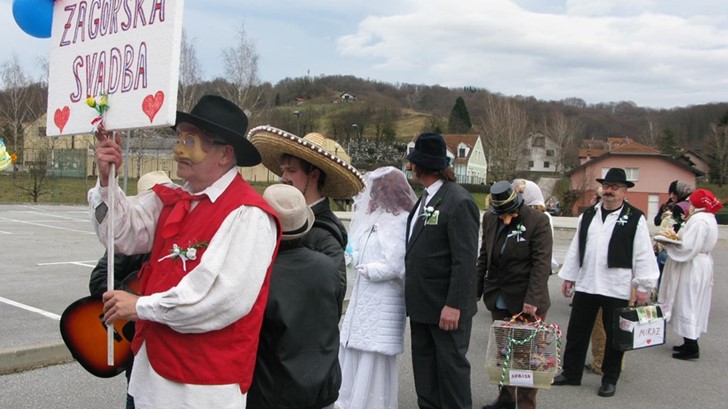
(621, 246)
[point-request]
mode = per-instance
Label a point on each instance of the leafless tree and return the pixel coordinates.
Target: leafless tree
(505, 125)
(241, 70)
(190, 75)
(717, 148)
(563, 131)
(651, 134)
(15, 102)
(37, 163)
(44, 66)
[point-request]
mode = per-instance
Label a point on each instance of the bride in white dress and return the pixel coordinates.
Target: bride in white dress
(372, 334)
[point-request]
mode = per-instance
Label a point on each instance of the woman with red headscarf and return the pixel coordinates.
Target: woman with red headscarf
(687, 281)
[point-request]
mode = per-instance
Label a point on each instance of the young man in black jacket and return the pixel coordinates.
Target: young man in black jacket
(298, 354)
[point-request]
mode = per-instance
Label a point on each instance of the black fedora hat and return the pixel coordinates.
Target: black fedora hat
(222, 118)
(616, 175)
(430, 152)
(503, 199)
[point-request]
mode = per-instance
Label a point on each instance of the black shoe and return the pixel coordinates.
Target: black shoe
(562, 380)
(500, 405)
(690, 350)
(607, 390)
(686, 355)
(678, 348)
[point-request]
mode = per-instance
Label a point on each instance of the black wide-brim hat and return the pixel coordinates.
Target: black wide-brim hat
(222, 118)
(616, 175)
(430, 152)
(503, 199)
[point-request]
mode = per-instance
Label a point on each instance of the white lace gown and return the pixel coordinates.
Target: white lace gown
(372, 334)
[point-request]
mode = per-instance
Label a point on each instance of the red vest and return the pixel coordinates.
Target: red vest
(217, 357)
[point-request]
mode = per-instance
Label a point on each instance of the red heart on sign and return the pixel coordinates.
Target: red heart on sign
(649, 341)
(152, 104)
(61, 117)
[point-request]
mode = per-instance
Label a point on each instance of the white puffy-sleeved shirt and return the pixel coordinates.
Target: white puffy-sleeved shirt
(220, 290)
(594, 276)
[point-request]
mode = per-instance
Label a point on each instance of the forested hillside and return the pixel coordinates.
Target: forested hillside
(381, 113)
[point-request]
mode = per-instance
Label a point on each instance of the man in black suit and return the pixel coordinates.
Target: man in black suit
(440, 273)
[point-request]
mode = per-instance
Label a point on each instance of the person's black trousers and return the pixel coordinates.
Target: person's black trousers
(583, 313)
(441, 370)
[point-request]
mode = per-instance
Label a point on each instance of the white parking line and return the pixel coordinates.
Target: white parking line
(91, 263)
(46, 225)
(31, 309)
(57, 216)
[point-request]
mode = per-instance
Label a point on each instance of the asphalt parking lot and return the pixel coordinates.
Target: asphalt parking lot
(47, 253)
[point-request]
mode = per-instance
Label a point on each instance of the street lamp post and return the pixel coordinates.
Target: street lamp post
(298, 122)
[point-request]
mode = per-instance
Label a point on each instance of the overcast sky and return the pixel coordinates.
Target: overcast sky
(656, 53)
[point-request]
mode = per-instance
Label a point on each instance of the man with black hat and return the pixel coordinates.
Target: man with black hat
(440, 260)
(513, 270)
(212, 244)
(610, 255)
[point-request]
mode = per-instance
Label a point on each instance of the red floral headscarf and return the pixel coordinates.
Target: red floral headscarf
(704, 199)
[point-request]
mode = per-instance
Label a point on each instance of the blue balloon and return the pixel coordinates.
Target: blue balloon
(35, 17)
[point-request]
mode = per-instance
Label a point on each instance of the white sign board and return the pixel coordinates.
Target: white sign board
(520, 378)
(649, 334)
(128, 49)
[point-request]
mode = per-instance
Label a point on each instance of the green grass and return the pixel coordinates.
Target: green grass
(60, 190)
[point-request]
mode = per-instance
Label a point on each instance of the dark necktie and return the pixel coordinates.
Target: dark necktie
(422, 204)
(182, 201)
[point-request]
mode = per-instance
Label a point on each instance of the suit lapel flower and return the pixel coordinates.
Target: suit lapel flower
(517, 232)
(430, 213)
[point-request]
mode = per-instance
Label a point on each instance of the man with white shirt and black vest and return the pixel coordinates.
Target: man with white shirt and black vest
(610, 255)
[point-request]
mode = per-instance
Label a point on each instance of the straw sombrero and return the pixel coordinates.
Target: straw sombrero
(343, 181)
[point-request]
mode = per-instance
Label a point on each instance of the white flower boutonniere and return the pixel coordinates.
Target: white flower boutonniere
(427, 212)
(432, 217)
(517, 232)
(190, 253)
(430, 213)
(624, 218)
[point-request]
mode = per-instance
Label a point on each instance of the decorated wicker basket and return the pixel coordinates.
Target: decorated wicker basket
(523, 354)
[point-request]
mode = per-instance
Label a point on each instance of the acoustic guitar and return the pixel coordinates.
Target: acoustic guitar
(84, 333)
